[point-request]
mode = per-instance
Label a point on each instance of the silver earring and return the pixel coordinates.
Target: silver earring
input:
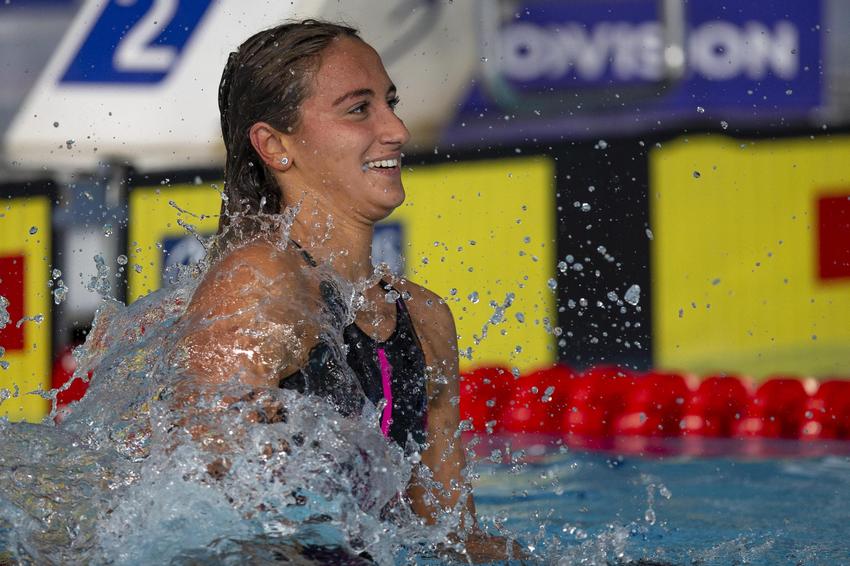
(284, 161)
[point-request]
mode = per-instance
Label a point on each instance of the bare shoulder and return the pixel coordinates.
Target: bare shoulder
(246, 318)
(434, 325)
(252, 269)
(256, 260)
(427, 309)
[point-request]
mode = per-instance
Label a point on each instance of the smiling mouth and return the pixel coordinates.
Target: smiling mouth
(382, 165)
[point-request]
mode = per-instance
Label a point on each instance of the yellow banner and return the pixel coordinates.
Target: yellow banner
(25, 252)
(480, 234)
(158, 222)
(746, 255)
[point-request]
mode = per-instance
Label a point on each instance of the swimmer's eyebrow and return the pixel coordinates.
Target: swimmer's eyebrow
(361, 92)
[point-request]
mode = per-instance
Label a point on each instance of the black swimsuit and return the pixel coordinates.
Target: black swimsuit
(392, 370)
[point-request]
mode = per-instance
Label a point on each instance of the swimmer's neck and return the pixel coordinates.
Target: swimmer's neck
(345, 246)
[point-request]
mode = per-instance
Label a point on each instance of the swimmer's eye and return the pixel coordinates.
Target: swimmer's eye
(359, 109)
(364, 106)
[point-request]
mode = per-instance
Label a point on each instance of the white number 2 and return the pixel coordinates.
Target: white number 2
(134, 52)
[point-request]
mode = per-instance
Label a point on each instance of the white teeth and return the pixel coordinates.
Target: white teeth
(384, 163)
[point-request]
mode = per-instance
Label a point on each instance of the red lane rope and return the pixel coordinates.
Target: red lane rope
(607, 402)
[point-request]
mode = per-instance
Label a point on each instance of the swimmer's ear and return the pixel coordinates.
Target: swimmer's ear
(268, 143)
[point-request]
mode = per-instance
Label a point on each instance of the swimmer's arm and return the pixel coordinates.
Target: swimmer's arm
(444, 455)
(242, 322)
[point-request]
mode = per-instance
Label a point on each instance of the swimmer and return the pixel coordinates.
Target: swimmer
(314, 158)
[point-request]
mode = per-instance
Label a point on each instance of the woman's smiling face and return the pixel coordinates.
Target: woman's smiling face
(347, 145)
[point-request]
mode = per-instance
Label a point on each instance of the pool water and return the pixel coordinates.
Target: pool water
(598, 508)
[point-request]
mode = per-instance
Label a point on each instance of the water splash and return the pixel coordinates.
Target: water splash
(5, 318)
(152, 466)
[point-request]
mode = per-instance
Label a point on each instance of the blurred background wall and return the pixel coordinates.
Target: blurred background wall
(650, 183)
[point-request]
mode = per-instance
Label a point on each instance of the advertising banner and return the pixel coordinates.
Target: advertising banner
(481, 234)
(165, 223)
(751, 269)
(25, 301)
(552, 68)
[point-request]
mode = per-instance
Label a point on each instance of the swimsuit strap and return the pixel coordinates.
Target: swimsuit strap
(402, 314)
(402, 319)
(304, 253)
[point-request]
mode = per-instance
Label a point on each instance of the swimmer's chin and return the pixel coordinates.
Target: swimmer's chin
(395, 197)
(381, 208)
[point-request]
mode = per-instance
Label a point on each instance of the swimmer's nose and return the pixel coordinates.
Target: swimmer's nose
(393, 131)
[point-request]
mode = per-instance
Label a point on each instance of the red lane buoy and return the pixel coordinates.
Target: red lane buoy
(598, 399)
(611, 407)
(716, 406)
(538, 401)
(484, 391)
(827, 412)
(775, 410)
(654, 406)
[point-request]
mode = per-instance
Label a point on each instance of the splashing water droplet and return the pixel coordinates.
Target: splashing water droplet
(4, 313)
(60, 293)
(100, 283)
(700, 110)
(724, 124)
(122, 259)
(696, 174)
(33, 230)
(473, 297)
(632, 295)
(392, 296)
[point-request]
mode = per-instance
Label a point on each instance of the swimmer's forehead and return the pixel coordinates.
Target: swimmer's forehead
(349, 68)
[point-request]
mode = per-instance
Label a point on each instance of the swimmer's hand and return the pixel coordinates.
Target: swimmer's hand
(482, 547)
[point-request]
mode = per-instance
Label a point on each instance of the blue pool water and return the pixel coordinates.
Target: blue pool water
(598, 508)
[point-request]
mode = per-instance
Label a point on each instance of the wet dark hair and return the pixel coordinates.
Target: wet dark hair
(266, 80)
